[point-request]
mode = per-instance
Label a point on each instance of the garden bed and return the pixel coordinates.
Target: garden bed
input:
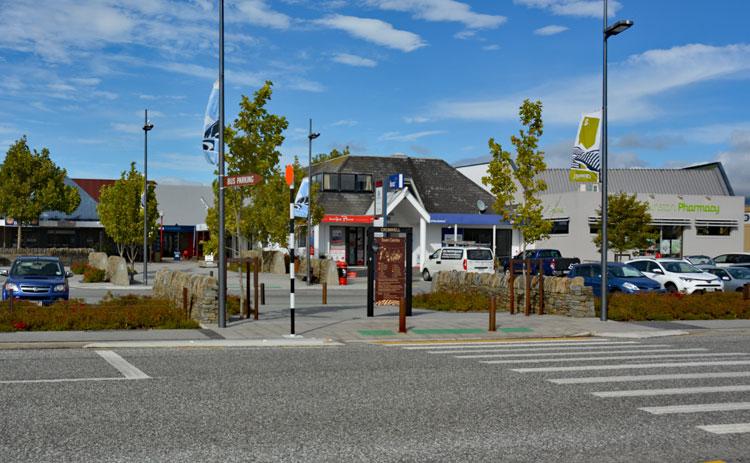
(639, 307)
(120, 313)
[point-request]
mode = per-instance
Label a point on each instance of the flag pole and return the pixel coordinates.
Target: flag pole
(222, 255)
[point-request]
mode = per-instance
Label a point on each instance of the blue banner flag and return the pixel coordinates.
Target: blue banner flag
(211, 126)
(302, 201)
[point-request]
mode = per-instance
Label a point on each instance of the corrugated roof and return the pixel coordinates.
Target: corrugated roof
(705, 181)
(441, 187)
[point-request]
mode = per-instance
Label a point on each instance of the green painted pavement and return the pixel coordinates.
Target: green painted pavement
(516, 330)
(449, 331)
(376, 333)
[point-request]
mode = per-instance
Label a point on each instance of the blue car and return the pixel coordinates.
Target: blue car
(40, 279)
(620, 277)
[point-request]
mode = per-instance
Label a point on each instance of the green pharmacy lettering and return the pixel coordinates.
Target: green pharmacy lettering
(705, 208)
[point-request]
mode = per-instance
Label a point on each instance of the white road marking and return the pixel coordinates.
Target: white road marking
(672, 391)
(561, 349)
(616, 357)
(65, 380)
(122, 365)
(736, 428)
(628, 366)
(470, 345)
(697, 408)
(507, 355)
(634, 378)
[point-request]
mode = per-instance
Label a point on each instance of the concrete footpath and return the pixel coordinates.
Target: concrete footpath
(344, 320)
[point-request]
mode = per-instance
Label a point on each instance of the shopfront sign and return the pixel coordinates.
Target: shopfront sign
(344, 219)
(396, 182)
(687, 208)
(378, 198)
(390, 280)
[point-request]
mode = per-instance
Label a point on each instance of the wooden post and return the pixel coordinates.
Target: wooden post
(325, 292)
(493, 309)
(246, 308)
(262, 294)
(185, 300)
(527, 286)
(512, 288)
(745, 291)
(402, 315)
(256, 264)
(10, 301)
(540, 310)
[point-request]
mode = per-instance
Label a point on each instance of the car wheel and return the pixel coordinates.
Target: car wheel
(426, 275)
(670, 287)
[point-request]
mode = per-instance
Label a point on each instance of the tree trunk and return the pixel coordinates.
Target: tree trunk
(18, 236)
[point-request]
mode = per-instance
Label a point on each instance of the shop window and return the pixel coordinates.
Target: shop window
(713, 231)
(560, 227)
(364, 183)
(347, 182)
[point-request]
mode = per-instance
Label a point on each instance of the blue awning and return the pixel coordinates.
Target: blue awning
(468, 219)
(179, 228)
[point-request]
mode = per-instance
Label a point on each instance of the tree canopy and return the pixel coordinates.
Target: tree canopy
(320, 157)
(121, 213)
(504, 171)
(31, 184)
(628, 224)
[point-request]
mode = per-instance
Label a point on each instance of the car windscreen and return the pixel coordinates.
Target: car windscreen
(624, 271)
(36, 268)
(479, 254)
(680, 267)
(699, 260)
(740, 273)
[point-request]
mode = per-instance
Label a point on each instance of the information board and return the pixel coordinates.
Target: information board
(390, 280)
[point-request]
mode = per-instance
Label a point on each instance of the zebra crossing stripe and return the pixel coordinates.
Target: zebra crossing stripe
(615, 357)
(505, 355)
(561, 349)
(672, 391)
(736, 428)
(634, 378)
(630, 366)
(697, 408)
(507, 345)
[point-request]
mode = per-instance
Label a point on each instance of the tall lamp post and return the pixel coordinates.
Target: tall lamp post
(310, 137)
(222, 255)
(146, 127)
(609, 31)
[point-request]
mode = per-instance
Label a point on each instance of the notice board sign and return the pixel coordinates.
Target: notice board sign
(390, 279)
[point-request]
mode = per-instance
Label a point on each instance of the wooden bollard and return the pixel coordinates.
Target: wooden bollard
(256, 265)
(185, 300)
(512, 290)
(746, 291)
(527, 283)
(262, 294)
(246, 308)
(493, 310)
(402, 315)
(325, 293)
(10, 301)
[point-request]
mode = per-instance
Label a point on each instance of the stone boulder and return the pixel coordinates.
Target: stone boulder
(98, 260)
(273, 262)
(202, 293)
(117, 271)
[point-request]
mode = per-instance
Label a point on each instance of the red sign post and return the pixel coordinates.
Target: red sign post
(242, 180)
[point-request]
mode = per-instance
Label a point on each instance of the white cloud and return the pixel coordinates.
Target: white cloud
(258, 13)
(492, 47)
(416, 120)
(126, 128)
(344, 122)
(181, 162)
(86, 81)
(354, 60)
(583, 8)
(550, 30)
(442, 10)
(397, 136)
(633, 86)
(375, 31)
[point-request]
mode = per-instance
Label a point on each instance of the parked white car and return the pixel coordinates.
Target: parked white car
(727, 260)
(468, 259)
(678, 275)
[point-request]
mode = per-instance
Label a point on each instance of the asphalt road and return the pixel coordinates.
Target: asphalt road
(363, 402)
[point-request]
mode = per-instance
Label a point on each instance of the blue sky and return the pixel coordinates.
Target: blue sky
(429, 78)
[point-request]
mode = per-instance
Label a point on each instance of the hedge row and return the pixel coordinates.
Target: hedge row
(452, 302)
(636, 307)
(121, 313)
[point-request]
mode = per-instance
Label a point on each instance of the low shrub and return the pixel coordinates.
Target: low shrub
(120, 313)
(636, 307)
(78, 267)
(93, 274)
(233, 305)
(452, 302)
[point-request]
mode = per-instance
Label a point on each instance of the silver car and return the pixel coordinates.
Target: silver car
(734, 277)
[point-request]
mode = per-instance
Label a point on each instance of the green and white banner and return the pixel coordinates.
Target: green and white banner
(586, 160)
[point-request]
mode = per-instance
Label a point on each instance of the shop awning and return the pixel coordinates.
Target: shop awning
(468, 219)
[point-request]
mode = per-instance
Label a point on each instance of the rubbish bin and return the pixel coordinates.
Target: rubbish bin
(177, 255)
(341, 268)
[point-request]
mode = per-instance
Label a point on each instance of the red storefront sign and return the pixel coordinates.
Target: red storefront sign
(330, 218)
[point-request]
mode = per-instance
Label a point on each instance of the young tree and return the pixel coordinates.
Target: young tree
(31, 184)
(628, 224)
(525, 169)
(332, 155)
(121, 212)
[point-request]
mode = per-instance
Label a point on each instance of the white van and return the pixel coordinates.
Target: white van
(460, 259)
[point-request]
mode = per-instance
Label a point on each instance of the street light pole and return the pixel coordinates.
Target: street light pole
(222, 256)
(607, 32)
(144, 200)
(310, 137)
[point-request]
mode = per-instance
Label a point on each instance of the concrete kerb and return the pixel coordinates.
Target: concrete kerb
(216, 343)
